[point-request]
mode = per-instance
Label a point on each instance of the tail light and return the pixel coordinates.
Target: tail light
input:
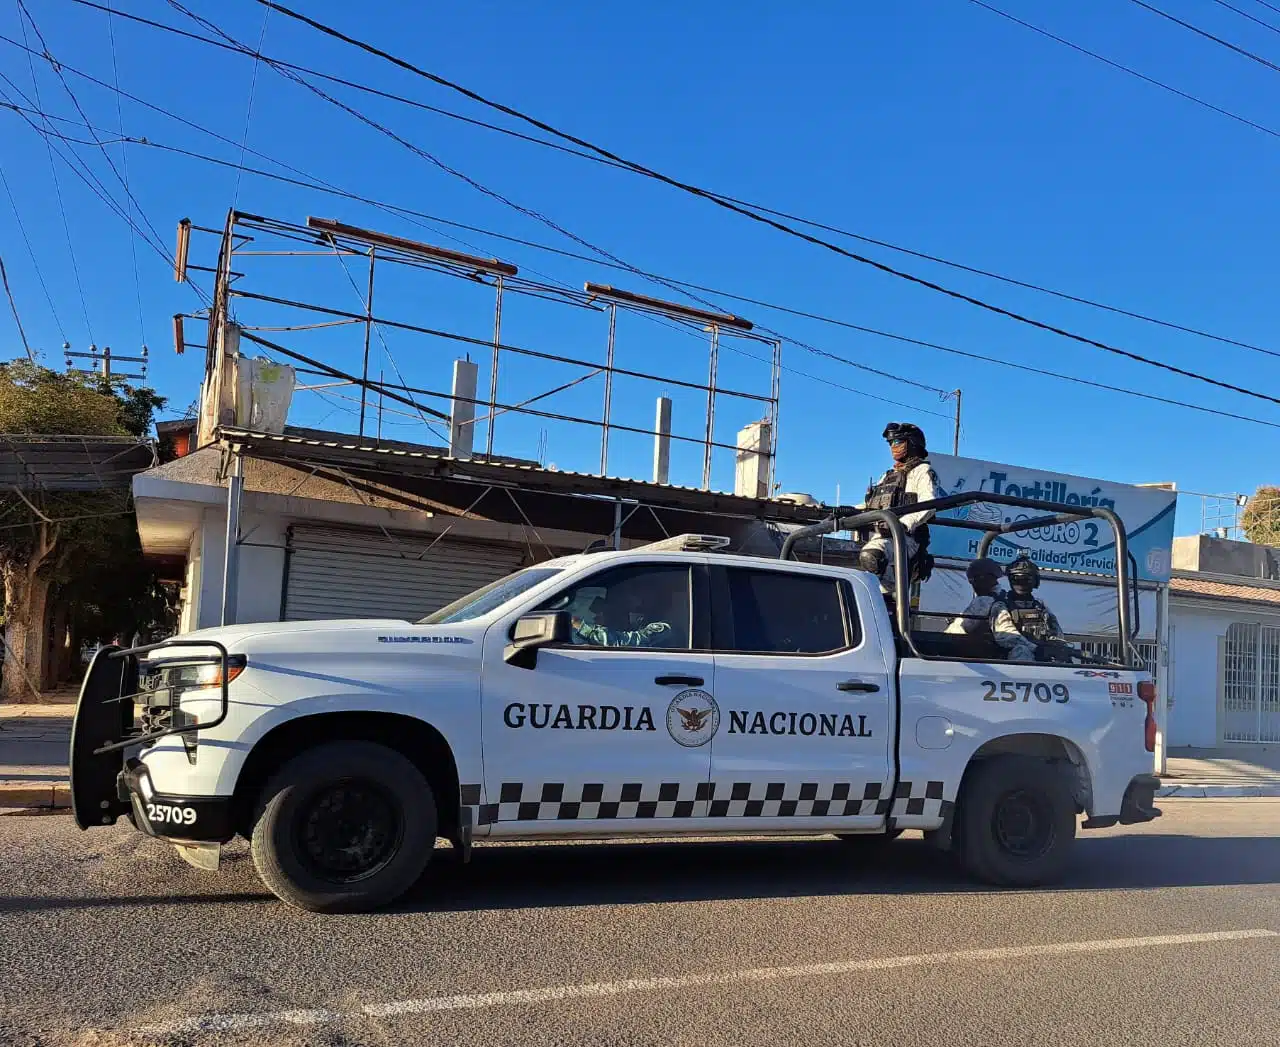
(1147, 692)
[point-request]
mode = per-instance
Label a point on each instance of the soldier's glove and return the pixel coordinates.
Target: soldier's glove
(654, 628)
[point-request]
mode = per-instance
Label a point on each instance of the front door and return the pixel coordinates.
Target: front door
(804, 696)
(612, 727)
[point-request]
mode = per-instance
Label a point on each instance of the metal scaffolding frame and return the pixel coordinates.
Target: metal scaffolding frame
(246, 235)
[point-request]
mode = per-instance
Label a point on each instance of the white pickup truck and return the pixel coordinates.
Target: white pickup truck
(671, 689)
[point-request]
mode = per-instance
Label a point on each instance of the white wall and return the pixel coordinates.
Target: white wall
(260, 576)
(1198, 630)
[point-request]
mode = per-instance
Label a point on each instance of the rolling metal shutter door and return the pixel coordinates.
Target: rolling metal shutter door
(337, 573)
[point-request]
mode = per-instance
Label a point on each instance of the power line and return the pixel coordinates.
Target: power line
(57, 186)
(1208, 36)
(35, 264)
(1252, 18)
(124, 163)
(71, 159)
(53, 64)
(308, 182)
(410, 214)
(536, 215)
(764, 219)
(4, 278)
(248, 113)
(240, 49)
(1130, 71)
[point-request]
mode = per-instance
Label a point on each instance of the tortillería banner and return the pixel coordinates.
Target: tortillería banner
(1086, 545)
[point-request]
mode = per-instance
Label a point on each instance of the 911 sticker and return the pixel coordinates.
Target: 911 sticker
(1024, 690)
(165, 813)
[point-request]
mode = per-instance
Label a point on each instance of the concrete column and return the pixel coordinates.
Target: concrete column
(463, 413)
(662, 442)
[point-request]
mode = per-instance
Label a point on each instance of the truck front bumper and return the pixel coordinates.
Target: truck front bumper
(173, 818)
(1137, 806)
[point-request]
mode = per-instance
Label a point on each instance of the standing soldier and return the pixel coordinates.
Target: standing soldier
(911, 480)
(1020, 623)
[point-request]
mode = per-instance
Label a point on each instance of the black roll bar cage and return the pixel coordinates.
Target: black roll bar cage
(1054, 513)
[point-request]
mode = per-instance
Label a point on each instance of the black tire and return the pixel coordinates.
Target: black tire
(1017, 821)
(344, 827)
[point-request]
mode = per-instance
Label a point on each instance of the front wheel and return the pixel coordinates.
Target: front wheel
(344, 827)
(1017, 821)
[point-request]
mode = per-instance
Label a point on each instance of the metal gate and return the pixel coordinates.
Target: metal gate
(347, 573)
(1251, 683)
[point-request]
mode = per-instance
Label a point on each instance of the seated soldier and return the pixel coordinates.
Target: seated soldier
(984, 576)
(1022, 624)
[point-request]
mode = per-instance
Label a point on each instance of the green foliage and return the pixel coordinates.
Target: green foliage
(36, 400)
(1261, 517)
(84, 543)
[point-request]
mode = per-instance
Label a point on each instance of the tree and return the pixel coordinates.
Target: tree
(1261, 517)
(46, 535)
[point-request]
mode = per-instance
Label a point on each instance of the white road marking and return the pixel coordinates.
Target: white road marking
(555, 993)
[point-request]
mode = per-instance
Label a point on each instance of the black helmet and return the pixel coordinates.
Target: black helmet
(912, 434)
(1023, 570)
(983, 567)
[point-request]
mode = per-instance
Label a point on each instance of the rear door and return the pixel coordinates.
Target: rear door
(609, 731)
(804, 694)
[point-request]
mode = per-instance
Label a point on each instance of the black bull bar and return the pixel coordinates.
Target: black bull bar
(1052, 513)
(104, 724)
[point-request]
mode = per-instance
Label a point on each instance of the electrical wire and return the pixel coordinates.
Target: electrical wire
(763, 219)
(35, 264)
(1252, 18)
(790, 216)
(248, 115)
(1208, 36)
(124, 163)
(53, 64)
(1273, 132)
(410, 213)
(13, 305)
(536, 215)
(57, 187)
(71, 159)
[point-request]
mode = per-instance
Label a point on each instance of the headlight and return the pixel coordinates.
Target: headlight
(166, 684)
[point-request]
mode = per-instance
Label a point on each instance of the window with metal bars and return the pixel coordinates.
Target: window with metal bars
(1251, 683)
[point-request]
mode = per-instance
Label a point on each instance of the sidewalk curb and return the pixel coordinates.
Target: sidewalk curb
(52, 795)
(1208, 792)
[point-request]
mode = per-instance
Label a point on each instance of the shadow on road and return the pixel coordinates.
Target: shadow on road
(619, 874)
(548, 875)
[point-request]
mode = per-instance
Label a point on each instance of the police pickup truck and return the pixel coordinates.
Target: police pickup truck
(670, 689)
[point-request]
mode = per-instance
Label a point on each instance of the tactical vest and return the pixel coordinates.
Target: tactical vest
(892, 492)
(1030, 616)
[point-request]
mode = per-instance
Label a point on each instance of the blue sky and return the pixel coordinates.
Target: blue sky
(936, 125)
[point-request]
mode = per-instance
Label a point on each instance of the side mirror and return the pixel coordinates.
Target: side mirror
(532, 631)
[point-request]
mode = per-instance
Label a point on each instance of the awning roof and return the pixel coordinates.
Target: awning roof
(423, 472)
(71, 463)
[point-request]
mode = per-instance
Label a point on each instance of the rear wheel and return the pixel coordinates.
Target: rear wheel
(1017, 821)
(344, 827)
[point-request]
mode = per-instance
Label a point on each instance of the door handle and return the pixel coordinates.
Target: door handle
(857, 685)
(684, 681)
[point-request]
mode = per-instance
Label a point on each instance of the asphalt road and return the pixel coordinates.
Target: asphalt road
(1168, 934)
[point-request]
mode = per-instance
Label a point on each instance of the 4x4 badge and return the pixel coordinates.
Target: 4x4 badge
(693, 718)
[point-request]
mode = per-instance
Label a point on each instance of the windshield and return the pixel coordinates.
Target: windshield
(490, 597)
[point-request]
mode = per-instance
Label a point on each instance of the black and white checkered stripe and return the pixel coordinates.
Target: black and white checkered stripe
(919, 804)
(560, 801)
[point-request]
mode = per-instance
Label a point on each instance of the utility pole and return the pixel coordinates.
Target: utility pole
(101, 362)
(955, 447)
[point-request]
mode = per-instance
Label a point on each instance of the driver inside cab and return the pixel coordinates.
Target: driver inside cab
(598, 619)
